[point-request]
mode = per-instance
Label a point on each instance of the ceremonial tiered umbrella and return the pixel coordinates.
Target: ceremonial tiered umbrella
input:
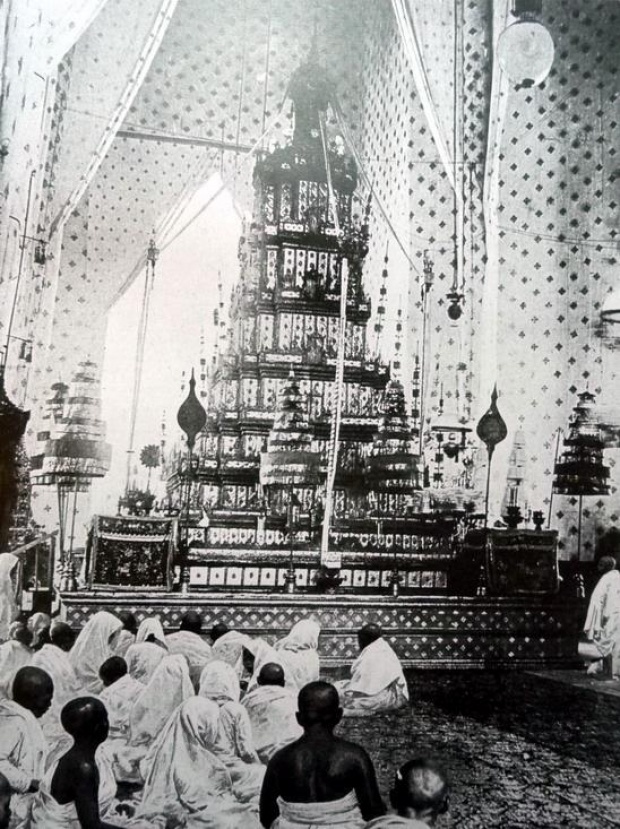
(289, 460)
(75, 451)
(392, 466)
(580, 469)
(13, 422)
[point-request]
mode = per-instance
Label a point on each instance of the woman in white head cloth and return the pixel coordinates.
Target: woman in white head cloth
(169, 686)
(15, 653)
(148, 651)
(8, 592)
(228, 647)
(91, 649)
(235, 745)
(299, 652)
(184, 778)
(39, 625)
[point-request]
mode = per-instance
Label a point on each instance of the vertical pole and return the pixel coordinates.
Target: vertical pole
(555, 460)
(149, 278)
(486, 500)
(72, 536)
(61, 526)
(290, 577)
(579, 528)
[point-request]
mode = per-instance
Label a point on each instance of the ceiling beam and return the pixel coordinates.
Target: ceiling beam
(194, 141)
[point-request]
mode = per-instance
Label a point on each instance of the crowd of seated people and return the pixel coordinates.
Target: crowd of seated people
(124, 725)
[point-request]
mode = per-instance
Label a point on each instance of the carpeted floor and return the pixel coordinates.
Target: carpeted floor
(522, 750)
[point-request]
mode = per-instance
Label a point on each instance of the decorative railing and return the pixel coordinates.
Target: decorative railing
(37, 572)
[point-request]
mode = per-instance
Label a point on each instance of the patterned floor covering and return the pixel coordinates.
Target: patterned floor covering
(521, 750)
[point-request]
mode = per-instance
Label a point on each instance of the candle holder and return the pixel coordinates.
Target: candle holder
(395, 582)
(289, 581)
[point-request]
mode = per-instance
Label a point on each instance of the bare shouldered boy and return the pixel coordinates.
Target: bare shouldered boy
(320, 778)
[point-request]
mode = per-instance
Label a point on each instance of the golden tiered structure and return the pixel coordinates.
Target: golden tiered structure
(266, 486)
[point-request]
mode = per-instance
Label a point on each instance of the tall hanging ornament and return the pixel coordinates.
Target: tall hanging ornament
(191, 416)
(398, 342)
(580, 470)
(491, 430)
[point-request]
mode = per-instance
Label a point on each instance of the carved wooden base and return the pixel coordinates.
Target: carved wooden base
(426, 632)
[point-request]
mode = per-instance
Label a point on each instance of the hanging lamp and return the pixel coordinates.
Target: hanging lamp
(525, 49)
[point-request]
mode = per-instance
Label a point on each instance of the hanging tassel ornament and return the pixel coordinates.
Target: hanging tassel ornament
(382, 298)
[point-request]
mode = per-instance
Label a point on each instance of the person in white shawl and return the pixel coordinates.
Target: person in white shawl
(8, 592)
(602, 625)
(419, 795)
(127, 635)
(119, 695)
(228, 646)
(234, 746)
(188, 642)
(149, 649)
(14, 654)
(377, 681)
(39, 625)
(91, 649)
(54, 659)
(272, 709)
(184, 777)
(169, 686)
(23, 747)
(299, 652)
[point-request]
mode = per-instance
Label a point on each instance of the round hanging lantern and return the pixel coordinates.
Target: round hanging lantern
(526, 51)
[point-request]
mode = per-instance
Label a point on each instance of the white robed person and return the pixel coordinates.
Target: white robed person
(147, 652)
(119, 696)
(8, 592)
(377, 681)
(14, 654)
(94, 644)
(235, 745)
(602, 625)
(299, 652)
(189, 643)
(227, 645)
(185, 779)
(53, 657)
(272, 709)
(23, 747)
(169, 686)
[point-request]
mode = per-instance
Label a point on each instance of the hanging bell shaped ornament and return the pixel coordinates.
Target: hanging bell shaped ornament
(191, 416)
(491, 428)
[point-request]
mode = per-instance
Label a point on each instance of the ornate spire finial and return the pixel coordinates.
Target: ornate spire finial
(191, 416)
